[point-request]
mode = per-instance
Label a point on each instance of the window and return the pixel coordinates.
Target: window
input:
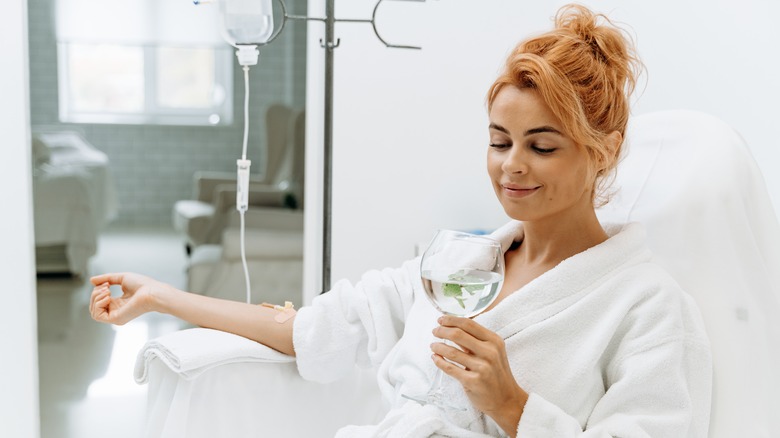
(112, 83)
(142, 62)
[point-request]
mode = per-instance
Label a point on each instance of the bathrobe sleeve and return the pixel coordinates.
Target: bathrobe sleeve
(650, 398)
(354, 324)
(657, 385)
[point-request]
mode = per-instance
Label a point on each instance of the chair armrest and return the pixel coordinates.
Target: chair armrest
(207, 181)
(268, 218)
(191, 352)
(260, 195)
(239, 398)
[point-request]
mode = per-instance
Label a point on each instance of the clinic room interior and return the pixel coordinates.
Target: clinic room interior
(127, 124)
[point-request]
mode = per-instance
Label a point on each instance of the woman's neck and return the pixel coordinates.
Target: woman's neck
(552, 240)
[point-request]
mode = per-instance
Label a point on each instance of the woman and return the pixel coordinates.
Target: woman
(586, 338)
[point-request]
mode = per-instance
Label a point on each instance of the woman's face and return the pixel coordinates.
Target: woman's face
(536, 171)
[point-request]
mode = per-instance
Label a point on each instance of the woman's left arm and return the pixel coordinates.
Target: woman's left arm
(487, 378)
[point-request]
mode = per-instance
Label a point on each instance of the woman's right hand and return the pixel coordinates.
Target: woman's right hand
(138, 294)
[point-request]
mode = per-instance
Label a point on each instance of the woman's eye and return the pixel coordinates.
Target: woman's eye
(543, 150)
(499, 145)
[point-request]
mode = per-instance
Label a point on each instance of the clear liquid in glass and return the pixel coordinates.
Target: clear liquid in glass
(465, 292)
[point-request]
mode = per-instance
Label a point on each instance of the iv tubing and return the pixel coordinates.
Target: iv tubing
(243, 258)
(246, 110)
(242, 211)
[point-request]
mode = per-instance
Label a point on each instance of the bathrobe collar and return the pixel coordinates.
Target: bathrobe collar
(570, 280)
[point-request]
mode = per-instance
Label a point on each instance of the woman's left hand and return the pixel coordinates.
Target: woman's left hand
(486, 376)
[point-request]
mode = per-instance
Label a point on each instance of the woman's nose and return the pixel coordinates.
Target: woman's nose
(515, 162)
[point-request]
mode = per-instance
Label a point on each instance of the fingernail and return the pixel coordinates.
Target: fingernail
(440, 320)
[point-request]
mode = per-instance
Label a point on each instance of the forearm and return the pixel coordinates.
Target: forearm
(248, 320)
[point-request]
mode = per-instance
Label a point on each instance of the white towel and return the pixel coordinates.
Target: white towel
(191, 352)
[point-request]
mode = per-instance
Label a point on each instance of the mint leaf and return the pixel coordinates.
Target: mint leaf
(451, 290)
(460, 301)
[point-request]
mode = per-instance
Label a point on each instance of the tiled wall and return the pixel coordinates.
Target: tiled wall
(153, 165)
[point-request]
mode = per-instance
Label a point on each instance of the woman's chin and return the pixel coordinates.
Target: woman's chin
(518, 214)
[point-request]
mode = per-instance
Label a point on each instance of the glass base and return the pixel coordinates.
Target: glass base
(436, 398)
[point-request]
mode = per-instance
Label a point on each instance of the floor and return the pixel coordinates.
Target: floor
(86, 368)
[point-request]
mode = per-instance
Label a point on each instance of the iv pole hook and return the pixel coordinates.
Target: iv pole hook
(376, 31)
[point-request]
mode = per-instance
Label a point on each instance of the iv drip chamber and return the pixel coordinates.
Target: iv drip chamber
(246, 21)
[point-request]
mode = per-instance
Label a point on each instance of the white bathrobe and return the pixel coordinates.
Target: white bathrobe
(606, 345)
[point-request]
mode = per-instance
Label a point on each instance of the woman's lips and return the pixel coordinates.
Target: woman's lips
(518, 192)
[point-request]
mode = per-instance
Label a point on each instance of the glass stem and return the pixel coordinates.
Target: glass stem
(436, 383)
(438, 376)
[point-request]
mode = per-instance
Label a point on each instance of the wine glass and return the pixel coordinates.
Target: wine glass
(462, 275)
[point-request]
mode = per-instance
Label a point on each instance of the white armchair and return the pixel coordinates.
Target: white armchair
(202, 219)
(687, 176)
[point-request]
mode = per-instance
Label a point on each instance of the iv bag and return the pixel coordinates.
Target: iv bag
(247, 21)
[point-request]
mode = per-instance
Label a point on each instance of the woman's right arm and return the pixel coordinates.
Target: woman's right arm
(142, 294)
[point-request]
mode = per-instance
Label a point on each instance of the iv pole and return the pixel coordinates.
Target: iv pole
(329, 44)
(327, 195)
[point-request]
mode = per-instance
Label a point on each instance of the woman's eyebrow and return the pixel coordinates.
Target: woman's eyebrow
(498, 128)
(542, 129)
(531, 131)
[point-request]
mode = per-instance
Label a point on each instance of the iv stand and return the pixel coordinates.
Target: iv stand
(329, 44)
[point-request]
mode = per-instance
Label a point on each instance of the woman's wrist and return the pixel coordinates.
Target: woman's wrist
(160, 298)
(508, 417)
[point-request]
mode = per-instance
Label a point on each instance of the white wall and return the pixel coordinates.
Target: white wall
(411, 127)
(19, 367)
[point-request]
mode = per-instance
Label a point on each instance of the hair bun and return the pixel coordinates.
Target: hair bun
(606, 41)
(578, 19)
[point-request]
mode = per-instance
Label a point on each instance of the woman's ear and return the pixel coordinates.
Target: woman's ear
(613, 141)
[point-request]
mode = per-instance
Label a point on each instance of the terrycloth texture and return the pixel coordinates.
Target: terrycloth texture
(190, 356)
(411, 420)
(606, 343)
